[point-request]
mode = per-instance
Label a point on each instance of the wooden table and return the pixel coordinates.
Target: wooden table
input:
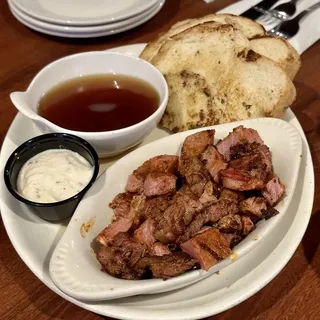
(294, 294)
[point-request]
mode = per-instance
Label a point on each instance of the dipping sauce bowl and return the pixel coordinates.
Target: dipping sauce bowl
(57, 210)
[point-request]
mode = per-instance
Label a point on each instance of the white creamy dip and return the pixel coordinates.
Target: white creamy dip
(53, 175)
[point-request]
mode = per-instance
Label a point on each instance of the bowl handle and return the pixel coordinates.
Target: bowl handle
(17, 98)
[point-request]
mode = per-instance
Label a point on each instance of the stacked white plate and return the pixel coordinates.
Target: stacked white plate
(82, 18)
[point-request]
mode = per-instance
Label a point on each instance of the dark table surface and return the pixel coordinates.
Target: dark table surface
(294, 294)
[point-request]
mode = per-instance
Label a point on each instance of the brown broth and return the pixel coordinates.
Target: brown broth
(99, 103)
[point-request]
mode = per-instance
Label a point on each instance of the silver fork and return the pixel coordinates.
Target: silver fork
(288, 29)
(281, 12)
(284, 11)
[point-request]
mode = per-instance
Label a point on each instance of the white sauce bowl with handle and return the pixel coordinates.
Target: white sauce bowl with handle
(107, 143)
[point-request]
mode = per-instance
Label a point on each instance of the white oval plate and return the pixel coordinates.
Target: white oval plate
(233, 285)
(86, 32)
(83, 12)
(73, 266)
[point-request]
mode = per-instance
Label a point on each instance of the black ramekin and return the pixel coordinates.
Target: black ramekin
(57, 210)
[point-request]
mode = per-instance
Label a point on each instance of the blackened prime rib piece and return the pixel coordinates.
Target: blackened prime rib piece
(214, 162)
(159, 183)
(246, 149)
(211, 214)
(253, 207)
(239, 180)
(163, 164)
(274, 190)
(237, 136)
(208, 248)
(120, 256)
(196, 143)
(166, 266)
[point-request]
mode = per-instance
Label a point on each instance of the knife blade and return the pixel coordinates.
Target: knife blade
(254, 14)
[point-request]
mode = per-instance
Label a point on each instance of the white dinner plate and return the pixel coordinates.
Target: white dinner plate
(83, 29)
(83, 12)
(73, 266)
(210, 296)
(84, 32)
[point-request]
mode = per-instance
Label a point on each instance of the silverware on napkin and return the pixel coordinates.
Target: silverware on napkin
(284, 11)
(259, 9)
(288, 29)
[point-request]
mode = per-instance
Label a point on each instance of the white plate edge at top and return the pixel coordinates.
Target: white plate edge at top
(83, 29)
(55, 19)
(246, 284)
(39, 27)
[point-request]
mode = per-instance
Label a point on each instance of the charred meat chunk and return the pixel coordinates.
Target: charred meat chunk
(239, 180)
(109, 233)
(214, 162)
(166, 266)
(196, 143)
(273, 191)
(247, 225)
(158, 183)
(229, 223)
(254, 207)
(238, 135)
(163, 164)
(208, 248)
(120, 256)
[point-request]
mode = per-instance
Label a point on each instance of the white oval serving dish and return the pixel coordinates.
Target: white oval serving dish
(73, 266)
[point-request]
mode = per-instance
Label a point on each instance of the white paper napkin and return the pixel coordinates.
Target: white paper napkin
(309, 31)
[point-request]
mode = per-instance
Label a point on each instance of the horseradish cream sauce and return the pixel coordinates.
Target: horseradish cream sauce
(53, 175)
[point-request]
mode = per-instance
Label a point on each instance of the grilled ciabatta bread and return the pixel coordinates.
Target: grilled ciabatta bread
(214, 77)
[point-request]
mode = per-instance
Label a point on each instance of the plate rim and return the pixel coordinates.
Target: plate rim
(94, 34)
(114, 311)
(81, 29)
(79, 22)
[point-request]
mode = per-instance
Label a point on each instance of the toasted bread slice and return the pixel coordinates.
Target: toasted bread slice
(214, 77)
(280, 51)
(248, 27)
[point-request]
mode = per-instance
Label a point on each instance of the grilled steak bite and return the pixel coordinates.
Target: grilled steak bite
(252, 165)
(145, 233)
(159, 249)
(240, 180)
(196, 143)
(208, 248)
(232, 239)
(247, 225)
(231, 195)
(163, 164)
(193, 171)
(245, 149)
(273, 190)
(177, 217)
(155, 207)
(120, 256)
(121, 205)
(237, 136)
(180, 213)
(158, 183)
(109, 233)
(214, 162)
(210, 194)
(211, 214)
(166, 266)
(229, 223)
(253, 207)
